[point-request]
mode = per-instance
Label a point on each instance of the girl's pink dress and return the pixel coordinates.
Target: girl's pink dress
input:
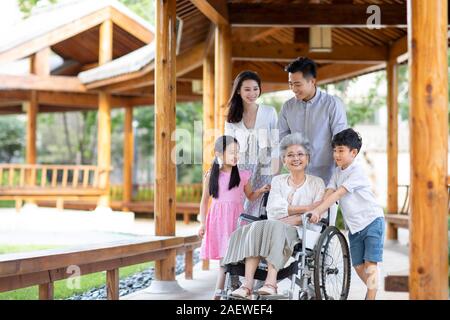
(222, 216)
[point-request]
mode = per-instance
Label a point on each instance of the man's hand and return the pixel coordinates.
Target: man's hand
(265, 188)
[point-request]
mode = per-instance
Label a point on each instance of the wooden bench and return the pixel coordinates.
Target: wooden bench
(43, 268)
(401, 219)
(34, 182)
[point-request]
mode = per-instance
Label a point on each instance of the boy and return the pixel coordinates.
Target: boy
(362, 215)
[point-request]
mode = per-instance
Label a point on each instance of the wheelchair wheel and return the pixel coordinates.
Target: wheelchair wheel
(331, 266)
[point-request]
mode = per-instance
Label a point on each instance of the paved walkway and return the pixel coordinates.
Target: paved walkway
(202, 287)
(70, 227)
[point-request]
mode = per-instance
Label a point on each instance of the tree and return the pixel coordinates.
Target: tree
(26, 6)
(12, 131)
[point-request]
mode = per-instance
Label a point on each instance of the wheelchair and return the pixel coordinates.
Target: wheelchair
(320, 271)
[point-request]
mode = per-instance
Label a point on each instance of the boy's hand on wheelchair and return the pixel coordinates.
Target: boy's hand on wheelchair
(314, 205)
(201, 231)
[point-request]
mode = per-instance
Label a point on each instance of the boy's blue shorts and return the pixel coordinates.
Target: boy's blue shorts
(367, 244)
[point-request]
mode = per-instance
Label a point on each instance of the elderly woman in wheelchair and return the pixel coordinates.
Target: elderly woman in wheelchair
(276, 239)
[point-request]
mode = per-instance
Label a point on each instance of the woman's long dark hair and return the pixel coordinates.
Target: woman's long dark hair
(221, 145)
(235, 105)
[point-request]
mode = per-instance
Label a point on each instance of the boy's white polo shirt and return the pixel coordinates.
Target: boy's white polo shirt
(359, 206)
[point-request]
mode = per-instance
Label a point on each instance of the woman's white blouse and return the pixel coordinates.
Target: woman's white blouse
(277, 205)
(263, 135)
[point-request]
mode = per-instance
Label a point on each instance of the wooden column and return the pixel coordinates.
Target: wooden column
(105, 54)
(46, 291)
(392, 145)
(31, 110)
(106, 42)
(165, 98)
(208, 112)
(112, 284)
(40, 62)
(223, 67)
(427, 45)
(39, 65)
(128, 152)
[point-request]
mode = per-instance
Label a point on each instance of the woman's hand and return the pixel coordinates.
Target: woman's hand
(201, 231)
(265, 188)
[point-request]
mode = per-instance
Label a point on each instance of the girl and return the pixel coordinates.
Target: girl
(255, 127)
(227, 186)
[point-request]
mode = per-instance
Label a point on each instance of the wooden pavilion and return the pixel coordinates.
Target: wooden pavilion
(111, 60)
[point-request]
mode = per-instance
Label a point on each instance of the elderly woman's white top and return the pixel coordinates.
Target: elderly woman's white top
(263, 135)
(311, 191)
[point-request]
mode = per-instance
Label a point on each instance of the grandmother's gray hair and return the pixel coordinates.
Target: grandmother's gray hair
(294, 139)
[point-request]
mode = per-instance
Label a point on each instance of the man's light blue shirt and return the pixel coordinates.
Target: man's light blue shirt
(318, 119)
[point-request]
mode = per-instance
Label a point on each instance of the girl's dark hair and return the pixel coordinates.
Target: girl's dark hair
(235, 105)
(221, 145)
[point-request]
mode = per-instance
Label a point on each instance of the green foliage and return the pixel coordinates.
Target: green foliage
(26, 6)
(144, 8)
(363, 109)
(12, 132)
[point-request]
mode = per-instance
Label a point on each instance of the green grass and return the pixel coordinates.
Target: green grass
(7, 204)
(62, 291)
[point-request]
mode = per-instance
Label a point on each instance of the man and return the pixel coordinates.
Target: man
(314, 113)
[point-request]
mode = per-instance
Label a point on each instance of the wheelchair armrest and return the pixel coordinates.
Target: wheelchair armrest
(249, 218)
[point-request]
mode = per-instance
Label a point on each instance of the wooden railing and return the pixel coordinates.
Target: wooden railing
(185, 193)
(43, 268)
(50, 182)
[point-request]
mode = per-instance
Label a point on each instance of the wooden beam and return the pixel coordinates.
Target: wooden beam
(223, 68)
(128, 152)
(40, 62)
(214, 10)
(306, 15)
(134, 28)
(284, 53)
(46, 83)
(399, 49)
(392, 145)
(15, 95)
(208, 112)
(48, 39)
(165, 97)
(427, 29)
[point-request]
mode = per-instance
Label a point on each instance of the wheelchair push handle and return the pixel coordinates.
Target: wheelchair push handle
(307, 216)
(265, 199)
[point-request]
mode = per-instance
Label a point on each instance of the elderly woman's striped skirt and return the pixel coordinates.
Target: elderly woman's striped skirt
(271, 239)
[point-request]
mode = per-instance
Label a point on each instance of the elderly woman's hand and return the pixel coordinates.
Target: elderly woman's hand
(315, 217)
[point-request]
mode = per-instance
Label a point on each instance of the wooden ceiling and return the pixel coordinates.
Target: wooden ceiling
(264, 48)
